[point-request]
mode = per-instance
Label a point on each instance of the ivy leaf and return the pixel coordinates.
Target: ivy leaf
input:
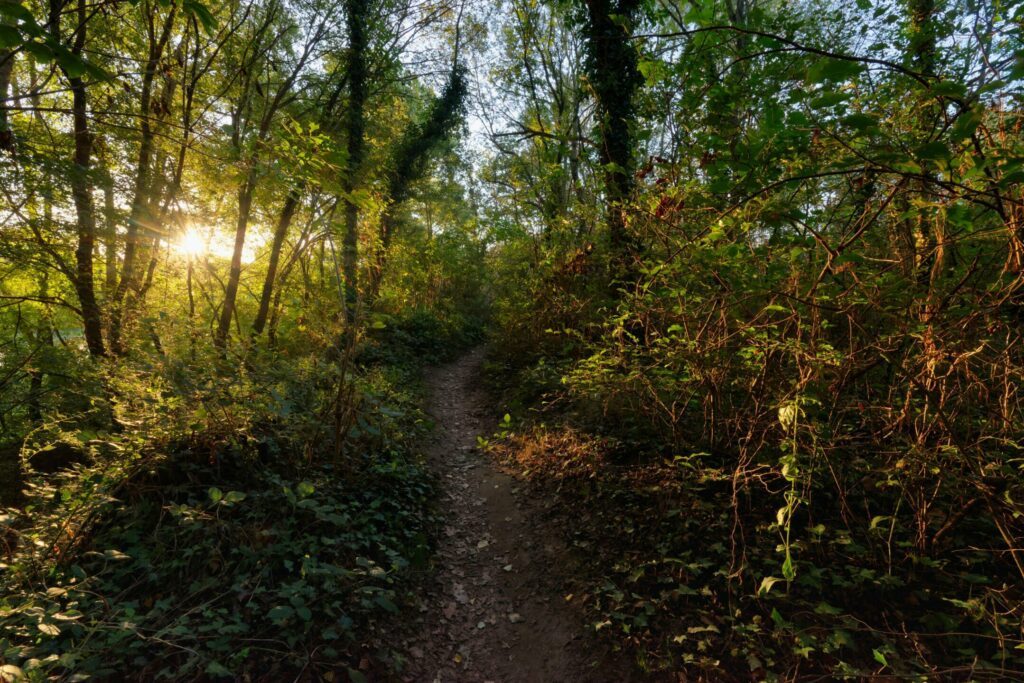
(827, 609)
(280, 614)
(386, 604)
(49, 629)
(9, 672)
(215, 668)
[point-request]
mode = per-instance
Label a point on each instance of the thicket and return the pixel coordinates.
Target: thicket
(791, 421)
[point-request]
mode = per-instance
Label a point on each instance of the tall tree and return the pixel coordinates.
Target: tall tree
(614, 76)
(291, 203)
(140, 220)
(411, 159)
(281, 86)
(357, 17)
(81, 180)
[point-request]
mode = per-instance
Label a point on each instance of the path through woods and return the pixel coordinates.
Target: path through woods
(496, 609)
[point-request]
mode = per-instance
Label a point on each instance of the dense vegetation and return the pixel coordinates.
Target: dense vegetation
(751, 271)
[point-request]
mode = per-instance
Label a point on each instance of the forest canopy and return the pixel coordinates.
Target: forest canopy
(750, 275)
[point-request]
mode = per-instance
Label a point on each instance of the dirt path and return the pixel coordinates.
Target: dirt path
(496, 610)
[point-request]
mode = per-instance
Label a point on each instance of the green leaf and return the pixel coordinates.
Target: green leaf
(234, 497)
(98, 74)
(305, 489)
(825, 608)
(386, 604)
(15, 11)
(355, 676)
(879, 657)
(934, 151)
(215, 494)
(73, 65)
(788, 570)
(9, 37)
(202, 15)
(215, 668)
(833, 70)
(829, 99)
(860, 122)
(965, 125)
(653, 70)
(949, 89)
(280, 614)
(42, 53)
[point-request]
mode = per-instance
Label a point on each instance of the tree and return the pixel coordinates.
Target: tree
(356, 17)
(615, 78)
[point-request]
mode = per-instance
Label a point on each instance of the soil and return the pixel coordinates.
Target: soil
(496, 609)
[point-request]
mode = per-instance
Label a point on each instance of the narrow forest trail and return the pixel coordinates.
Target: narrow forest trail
(495, 609)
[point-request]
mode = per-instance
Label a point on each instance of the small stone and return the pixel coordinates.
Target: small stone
(480, 624)
(507, 567)
(515, 617)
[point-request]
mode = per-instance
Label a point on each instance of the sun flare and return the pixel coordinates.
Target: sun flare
(191, 243)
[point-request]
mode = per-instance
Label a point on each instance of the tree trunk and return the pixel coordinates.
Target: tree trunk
(6, 67)
(356, 125)
(220, 338)
(615, 78)
(81, 190)
(291, 203)
(140, 216)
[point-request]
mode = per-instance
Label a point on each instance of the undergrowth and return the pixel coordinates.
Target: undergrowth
(221, 532)
(679, 565)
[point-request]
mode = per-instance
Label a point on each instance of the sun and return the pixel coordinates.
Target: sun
(191, 244)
